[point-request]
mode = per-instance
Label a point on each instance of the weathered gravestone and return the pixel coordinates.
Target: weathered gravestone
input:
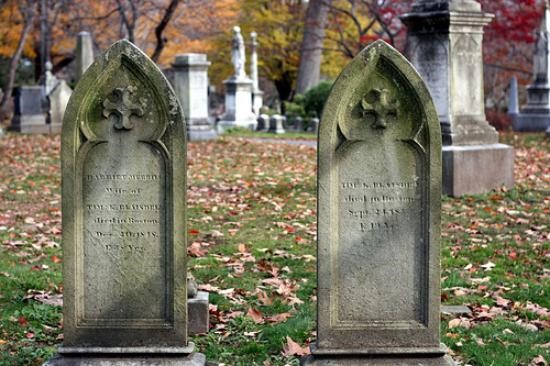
(124, 183)
(379, 202)
(30, 110)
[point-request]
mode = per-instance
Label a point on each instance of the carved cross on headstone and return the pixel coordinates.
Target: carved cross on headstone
(122, 108)
(377, 103)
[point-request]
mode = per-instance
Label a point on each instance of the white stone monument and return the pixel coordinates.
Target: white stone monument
(190, 75)
(535, 116)
(445, 45)
(238, 90)
(84, 53)
(257, 94)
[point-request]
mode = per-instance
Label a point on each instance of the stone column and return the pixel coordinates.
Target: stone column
(190, 78)
(445, 45)
(513, 105)
(84, 53)
(535, 116)
(257, 94)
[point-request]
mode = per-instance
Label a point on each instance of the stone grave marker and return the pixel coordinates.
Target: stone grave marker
(124, 217)
(30, 110)
(379, 203)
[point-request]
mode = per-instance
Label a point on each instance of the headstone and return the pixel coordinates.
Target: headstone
(257, 94)
(238, 90)
(314, 125)
(190, 73)
(124, 181)
(379, 202)
(276, 124)
(299, 124)
(84, 54)
(445, 45)
(59, 98)
(263, 123)
(58, 94)
(535, 116)
(513, 104)
(30, 110)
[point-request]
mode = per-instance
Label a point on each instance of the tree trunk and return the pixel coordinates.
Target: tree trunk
(312, 45)
(161, 41)
(14, 62)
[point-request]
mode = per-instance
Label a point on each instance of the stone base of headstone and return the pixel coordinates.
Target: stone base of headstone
(238, 105)
(200, 130)
(194, 359)
(276, 124)
(257, 101)
(402, 360)
(525, 122)
(197, 314)
(475, 169)
(30, 124)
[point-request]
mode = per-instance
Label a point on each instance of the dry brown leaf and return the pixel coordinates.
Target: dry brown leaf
(292, 348)
(256, 316)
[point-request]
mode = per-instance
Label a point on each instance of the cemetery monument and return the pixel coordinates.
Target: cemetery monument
(257, 94)
(238, 90)
(535, 116)
(190, 80)
(379, 208)
(123, 208)
(30, 114)
(445, 45)
(58, 93)
(84, 54)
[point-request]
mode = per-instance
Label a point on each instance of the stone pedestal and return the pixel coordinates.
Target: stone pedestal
(476, 169)
(190, 74)
(445, 45)
(276, 124)
(30, 111)
(397, 360)
(197, 314)
(238, 104)
(195, 359)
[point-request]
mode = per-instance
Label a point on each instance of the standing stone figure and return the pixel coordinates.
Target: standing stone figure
(238, 56)
(535, 116)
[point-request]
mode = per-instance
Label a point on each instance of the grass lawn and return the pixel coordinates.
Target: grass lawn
(289, 135)
(252, 232)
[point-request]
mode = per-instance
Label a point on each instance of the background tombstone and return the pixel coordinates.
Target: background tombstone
(190, 74)
(124, 178)
(535, 116)
(30, 110)
(513, 104)
(84, 54)
(445, 45)
(58, 94)
(276, 124)
(379, 200)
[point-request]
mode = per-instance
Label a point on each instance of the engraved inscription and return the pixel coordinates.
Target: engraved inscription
(380, 235)
(124, 240)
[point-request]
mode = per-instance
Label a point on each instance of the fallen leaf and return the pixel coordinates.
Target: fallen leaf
(256, 316)
(292, 348)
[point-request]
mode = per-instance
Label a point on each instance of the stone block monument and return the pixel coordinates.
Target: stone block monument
(58, 94)
(257, 94)
(30, 113)
(84, 54)
(535, 116)
(238, 90)
(379, 208)
(190, 80)
(123, 165)
(445, 45)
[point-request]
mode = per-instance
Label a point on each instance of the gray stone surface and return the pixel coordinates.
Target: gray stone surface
(477, 169)
(30, 110)
(445, 45)
(535, 116)
(257, 94)
(379, 207)
(195, 359)
(190, 80)
(513, 104)
(197, 314)
(59, 98)
(276, 124)
(238, 105)
(123, 194)
(263, 123)
(84, 54)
